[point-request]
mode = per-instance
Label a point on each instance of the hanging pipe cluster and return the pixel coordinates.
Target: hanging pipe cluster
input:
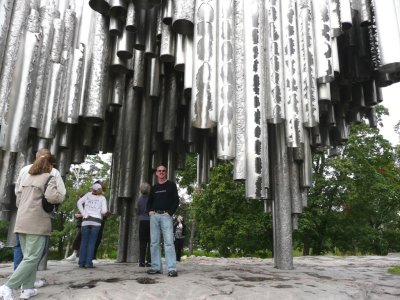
(262, 83)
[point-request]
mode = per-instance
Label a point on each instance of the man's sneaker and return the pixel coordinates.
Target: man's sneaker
(27, 293)
(6, 293)
(152, 272)
(148, 264)
(172, 273)
(39, 283)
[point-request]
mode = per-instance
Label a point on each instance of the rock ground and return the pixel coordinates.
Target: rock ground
(322, 277)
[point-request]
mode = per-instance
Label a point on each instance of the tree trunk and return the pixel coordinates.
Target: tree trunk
(191, 241)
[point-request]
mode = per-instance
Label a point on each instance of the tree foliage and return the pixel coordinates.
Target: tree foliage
(354, 204)
(227, 221)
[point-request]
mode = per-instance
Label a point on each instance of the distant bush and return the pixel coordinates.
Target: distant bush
(395, 270)
(6, 254)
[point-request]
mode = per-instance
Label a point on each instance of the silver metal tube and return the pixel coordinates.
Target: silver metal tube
(171, 104)
(294, 177)
(161, 105)
(7, 167)
(167, 47)
(5, 17)
(239, 170)
(293, 95)
(388, 35)
(276, 92)
(16, 115)
(115, 26)
(139, 69)
(65, 134)
(167, 11)
(226, 82)
(97, 86)
(58, 40)
(321, 19)
(141, 30)
(70, 24)
(125, 44)
(51, 100)
(151, 32)
(86, 27)
(336, 27)
(365, 13)
(182, 16)
(283, 258)
(203, 159)
(153, 76)
(118, 90)
(179, 53)
(70, 100)
(131, 18)
(129, 139)
(255, 95)
(118, 65)
(144, 146)
(146, 4)
(204, 110)
(14, 37)
(118, 8)
(306, 166)
(345, 14)
(308, 68)
(188, 73)
(101, 6)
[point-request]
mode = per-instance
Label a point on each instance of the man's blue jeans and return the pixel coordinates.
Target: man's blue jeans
(162, 223)
(88, 244)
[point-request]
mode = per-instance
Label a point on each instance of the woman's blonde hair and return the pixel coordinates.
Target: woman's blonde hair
(43, 164)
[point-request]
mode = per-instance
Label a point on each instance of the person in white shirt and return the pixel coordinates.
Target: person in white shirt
(92, 206)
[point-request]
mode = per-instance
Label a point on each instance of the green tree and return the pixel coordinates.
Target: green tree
(227, 221)
(354, 204)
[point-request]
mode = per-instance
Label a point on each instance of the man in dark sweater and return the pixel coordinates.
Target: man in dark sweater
(162, 203)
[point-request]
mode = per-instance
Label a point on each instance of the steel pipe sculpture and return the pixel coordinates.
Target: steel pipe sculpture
(262, 83)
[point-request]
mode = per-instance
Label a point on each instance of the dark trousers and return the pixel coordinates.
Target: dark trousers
(144, 241)
(76, 244)
(178, 248)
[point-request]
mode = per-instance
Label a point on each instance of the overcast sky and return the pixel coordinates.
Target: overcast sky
(391, 100)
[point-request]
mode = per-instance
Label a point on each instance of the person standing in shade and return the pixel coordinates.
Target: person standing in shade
(32, 223)
(92, 207)
(144, 226)
(179, 233)
(162, 204)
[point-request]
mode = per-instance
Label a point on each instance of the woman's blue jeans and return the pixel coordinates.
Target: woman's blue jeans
(88, 244)
(162, 223)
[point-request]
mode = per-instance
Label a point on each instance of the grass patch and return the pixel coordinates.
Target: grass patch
(394, 270)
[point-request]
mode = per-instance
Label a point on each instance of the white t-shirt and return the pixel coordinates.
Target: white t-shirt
(92, 206)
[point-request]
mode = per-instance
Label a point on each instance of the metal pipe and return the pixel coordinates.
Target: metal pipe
(182, 16)
(204, 110)
(283, 258)
(225, 81)
(16, 115)
(97, 86)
